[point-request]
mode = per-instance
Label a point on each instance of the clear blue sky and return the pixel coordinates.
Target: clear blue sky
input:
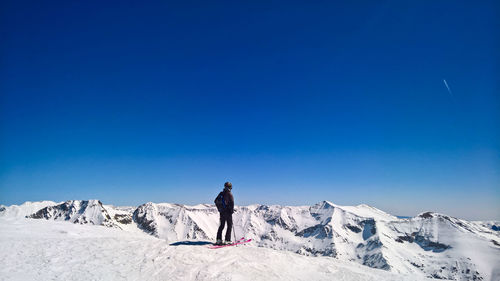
(294, 102)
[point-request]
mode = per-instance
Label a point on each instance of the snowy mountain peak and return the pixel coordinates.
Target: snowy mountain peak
(77, 211)
(27, 208)
(324, 205)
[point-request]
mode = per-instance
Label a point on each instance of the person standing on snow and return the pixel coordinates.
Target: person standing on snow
(225, 205)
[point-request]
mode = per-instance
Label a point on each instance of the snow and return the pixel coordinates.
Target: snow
(357, 239)
(55, 250)
(364, 210)
(25, 209)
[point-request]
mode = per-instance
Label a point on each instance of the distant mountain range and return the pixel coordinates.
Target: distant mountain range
(430, 244)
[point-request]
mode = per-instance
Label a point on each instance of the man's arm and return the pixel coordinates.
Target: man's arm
(231, 202)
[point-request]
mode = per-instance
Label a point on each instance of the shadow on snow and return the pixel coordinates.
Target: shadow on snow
(191, 243)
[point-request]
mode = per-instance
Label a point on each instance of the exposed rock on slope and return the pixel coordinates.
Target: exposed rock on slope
(173, 222)
(77, 211)
(25, 209)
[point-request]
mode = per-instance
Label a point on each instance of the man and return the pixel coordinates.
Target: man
(226, 210)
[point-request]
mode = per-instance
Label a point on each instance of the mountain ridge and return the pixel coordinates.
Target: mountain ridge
(430, 244)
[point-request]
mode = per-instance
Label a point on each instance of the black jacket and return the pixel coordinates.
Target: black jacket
(229, 200)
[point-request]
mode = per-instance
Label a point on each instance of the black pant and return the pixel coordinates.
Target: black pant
(225, 217)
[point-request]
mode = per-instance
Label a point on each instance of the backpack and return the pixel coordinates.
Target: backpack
(219, 202)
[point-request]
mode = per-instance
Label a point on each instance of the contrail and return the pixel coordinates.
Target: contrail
(447, 87)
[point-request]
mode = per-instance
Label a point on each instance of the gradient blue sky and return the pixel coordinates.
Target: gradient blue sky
(293, 102)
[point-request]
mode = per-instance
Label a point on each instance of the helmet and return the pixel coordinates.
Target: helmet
(228, 185)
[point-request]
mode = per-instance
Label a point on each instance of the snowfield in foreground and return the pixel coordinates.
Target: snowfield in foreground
(58, 250)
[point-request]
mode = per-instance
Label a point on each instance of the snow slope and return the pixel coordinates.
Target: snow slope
(55, 250)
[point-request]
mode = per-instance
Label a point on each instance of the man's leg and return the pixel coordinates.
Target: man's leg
(221, 227)
(229, 219)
